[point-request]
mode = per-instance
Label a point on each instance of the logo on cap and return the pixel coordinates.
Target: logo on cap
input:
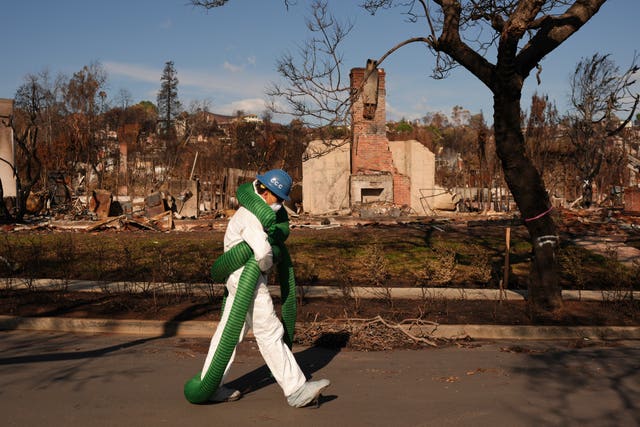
(275, 182)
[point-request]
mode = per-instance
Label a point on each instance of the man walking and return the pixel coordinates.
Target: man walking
(273, 187)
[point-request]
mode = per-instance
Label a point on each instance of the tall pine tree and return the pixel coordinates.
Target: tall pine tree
(168, 104)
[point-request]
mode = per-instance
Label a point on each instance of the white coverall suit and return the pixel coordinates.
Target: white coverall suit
(261, 317)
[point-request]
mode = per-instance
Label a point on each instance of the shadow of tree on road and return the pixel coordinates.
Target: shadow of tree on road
(597, 384)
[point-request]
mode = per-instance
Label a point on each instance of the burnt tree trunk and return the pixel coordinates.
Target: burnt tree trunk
(4, 212)
(529, 192)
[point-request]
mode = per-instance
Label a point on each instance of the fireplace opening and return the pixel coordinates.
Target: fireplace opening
(369, 195)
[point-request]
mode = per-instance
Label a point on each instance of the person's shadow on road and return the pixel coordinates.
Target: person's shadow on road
(311, 359)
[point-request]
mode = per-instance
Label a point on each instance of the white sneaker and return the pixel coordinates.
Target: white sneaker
(309, 392)
(225, 394)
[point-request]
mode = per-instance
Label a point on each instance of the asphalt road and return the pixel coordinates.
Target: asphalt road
(62, 379)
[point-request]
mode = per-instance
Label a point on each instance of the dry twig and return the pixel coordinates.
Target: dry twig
(367, 333)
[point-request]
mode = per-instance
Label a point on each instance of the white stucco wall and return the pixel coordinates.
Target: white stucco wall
(325, 177)
(413, 159)
(7, 149)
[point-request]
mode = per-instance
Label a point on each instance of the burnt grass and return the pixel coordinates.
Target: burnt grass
(460, 254)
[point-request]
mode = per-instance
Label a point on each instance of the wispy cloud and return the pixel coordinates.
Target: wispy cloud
(233, 68)
(251, 105)
(397, 114)
(132, 71)
(234, 91)
(241, 85)
(245, 85)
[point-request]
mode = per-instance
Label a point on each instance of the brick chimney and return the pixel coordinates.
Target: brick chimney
(370, 147)
(373, 174)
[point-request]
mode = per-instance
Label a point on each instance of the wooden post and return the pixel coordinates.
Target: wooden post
(505, 281)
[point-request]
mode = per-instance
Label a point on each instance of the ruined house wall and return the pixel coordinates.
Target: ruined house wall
(414, 160)
(325, 177)
(7, 149)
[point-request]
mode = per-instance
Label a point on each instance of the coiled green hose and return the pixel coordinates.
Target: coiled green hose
(198, 390)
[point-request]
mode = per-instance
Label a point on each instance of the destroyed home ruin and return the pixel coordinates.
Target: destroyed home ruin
(368, 171)
(7, 151)
(364, 175)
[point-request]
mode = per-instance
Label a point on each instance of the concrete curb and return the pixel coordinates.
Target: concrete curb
(507, 332)
(109, 326)
(364, 292)
(203, 329)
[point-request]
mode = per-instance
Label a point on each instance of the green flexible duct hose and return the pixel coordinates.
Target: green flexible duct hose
(198, 390)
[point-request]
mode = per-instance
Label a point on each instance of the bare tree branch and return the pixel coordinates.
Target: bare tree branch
(210, 4)
(553, 31)
(598, 93)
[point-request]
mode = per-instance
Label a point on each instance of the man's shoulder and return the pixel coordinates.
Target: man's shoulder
(243, 214)
(242, 211)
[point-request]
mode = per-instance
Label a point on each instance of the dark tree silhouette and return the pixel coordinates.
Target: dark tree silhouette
(599, 92)
(168, 103)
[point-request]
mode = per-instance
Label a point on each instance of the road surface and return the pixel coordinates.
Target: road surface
(62, 379)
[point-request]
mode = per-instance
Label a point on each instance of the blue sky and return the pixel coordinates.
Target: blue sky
(227, 56)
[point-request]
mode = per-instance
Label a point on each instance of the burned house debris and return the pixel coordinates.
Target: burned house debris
(368, 173)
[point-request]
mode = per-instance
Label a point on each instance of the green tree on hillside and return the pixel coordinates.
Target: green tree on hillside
(169, 106)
